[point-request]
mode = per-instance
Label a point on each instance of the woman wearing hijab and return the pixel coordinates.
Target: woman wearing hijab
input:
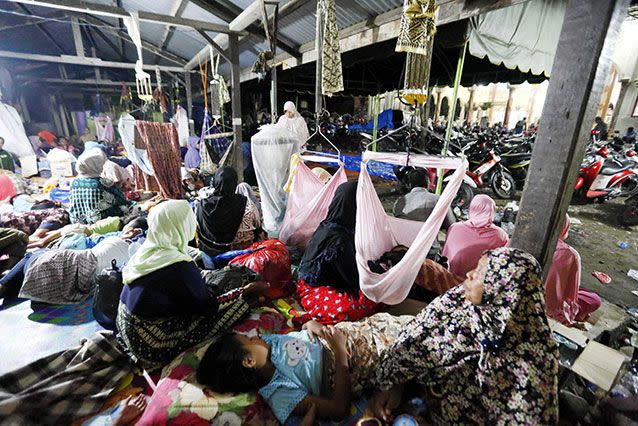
(226, 220)
(483, 351)
(466, 241)
(295, 123)
(93, 198)
(328, 270)
(192, 158)
(566, 301)
(165, 307)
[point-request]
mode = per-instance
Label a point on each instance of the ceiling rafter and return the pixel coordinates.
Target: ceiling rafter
(228, 11)
(43, 30)
(178, 9)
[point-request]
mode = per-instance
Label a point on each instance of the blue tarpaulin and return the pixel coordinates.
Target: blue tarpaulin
(353, 162)
(384, 122)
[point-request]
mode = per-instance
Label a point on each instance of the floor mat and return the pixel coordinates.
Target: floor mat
(33, 333)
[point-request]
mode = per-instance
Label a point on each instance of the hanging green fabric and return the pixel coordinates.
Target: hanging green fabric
(331, 70)
(417, 27)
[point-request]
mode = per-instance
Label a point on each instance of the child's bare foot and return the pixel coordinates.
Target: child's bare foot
(133, 409)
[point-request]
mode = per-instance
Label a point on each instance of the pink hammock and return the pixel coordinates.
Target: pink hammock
(377, 233)
(308, 202)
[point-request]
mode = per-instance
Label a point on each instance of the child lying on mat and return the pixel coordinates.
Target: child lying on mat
(319, 367)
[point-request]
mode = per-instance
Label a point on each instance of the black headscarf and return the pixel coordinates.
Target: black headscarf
(219, 216)
(329, 259)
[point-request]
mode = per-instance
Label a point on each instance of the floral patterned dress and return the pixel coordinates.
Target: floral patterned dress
(495, 363)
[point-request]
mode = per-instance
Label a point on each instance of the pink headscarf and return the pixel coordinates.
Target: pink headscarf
(563, 280)
(467, 241)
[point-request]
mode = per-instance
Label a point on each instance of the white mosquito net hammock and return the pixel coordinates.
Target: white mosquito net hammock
(308, 201)
(377, 233)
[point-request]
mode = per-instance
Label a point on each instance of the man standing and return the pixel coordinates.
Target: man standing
(6, 160)
(601, 128)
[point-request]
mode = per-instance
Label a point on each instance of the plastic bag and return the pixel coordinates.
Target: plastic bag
(271, 260)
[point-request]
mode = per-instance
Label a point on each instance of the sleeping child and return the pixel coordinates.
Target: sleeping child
(320, 367)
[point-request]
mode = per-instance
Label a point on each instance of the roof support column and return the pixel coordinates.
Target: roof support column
(572, 97)
(235, 98)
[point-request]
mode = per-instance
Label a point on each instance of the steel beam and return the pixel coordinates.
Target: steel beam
(116, 12)
(581, 66)
(76, 60)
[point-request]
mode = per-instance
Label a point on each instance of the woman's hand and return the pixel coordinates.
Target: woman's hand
(314, 329)
(337, 341)
(384, 403)
(253, 292)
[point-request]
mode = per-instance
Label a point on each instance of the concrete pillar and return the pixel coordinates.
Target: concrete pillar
(508, 105)
(470, 105)
(624, 86)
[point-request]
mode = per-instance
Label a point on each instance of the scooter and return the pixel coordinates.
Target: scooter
(490, 170)
(601, 178)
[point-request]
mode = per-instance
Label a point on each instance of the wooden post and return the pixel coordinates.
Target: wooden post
(189, 94)
(318, 86)
(603, 106)
(581, 66)
(624, 85)
(235, 97)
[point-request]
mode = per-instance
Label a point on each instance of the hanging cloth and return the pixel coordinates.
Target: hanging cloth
(206, 166)
(331, 70)
(417, 27)
(12, 130)
(163, 151)
(104, 128)
(377, 233)
(139, 157)
(308, 203)
(181, 122)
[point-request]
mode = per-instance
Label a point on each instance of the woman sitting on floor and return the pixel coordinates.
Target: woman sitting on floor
(165, 306)
(93, 198)
(226, 220)
(328, 277)
(566, 301)
(295, 371)
(483, 352)
(467, 241)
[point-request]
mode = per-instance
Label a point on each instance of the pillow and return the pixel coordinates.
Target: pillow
(180, 400)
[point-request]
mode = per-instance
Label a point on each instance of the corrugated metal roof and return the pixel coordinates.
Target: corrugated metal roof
(298, 27)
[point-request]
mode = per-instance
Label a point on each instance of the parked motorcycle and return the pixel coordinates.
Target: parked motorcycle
(602, 178)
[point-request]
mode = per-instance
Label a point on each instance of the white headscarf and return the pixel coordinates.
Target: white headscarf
(296, 125)
(171, 225)
(91, 163)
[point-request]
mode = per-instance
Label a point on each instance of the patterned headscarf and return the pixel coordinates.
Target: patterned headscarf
(487, 362)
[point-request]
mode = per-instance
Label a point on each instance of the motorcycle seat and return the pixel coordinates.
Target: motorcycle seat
(612, 170)
(515, 158)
